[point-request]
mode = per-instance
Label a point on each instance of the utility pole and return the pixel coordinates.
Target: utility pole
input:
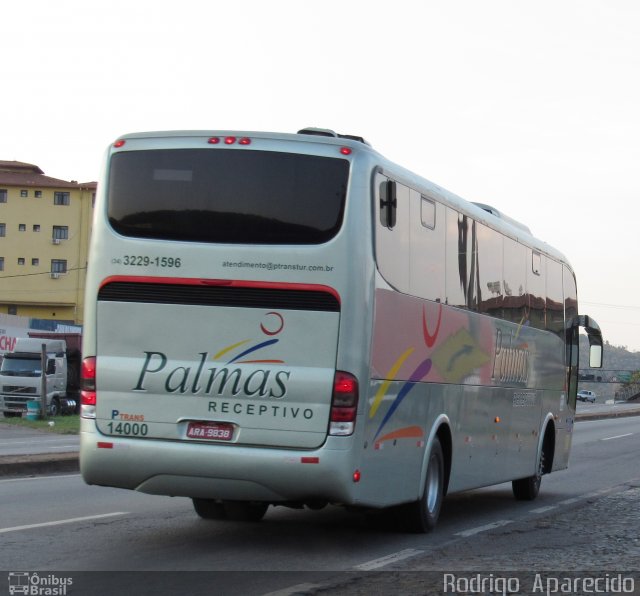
(43, 381)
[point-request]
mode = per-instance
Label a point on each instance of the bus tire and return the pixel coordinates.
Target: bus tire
(245, 511)
(422, 515)
(527, 489)
(209, 508)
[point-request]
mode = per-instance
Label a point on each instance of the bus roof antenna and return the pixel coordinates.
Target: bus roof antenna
(320, 132)
(327, 132)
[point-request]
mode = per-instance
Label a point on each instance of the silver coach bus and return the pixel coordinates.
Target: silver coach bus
(291, 319)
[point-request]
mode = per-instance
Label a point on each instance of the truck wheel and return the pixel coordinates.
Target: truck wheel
(54, 407)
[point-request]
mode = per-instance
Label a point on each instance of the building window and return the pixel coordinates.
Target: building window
(24, 193)
(22, 227)
(3, 229)
(58, 265)
(38, 194)
(3, 195)
(1, 263)
(20, 260)
(12, 309)
(61, 198)
(60, 232)
(35, 262)
(36, 227)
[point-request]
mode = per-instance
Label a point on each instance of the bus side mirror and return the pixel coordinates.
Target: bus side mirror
(595, 356)
(595, 339)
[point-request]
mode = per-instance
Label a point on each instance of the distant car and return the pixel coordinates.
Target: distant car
(589, 396)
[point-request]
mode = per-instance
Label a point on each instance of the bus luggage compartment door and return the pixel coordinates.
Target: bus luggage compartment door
(219, 374)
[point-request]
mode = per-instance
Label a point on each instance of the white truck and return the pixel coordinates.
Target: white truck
(21, 377)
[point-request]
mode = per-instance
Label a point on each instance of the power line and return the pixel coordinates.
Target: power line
(43, 273)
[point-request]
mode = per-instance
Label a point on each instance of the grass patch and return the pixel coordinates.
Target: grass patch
(64, 425)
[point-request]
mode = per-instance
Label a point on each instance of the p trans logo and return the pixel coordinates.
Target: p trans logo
(37, 584)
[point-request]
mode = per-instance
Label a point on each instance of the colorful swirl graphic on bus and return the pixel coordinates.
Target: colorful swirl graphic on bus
(419, 373)
(272, 324)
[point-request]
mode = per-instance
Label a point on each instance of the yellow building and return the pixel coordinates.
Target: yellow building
(45, 225)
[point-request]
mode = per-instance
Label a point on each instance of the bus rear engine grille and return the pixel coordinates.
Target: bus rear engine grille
(246, 297)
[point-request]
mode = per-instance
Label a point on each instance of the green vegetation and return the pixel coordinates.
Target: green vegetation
(64, 425)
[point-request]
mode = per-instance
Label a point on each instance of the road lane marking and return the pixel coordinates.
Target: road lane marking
(297, 590)
(61, 522)
(35, 442)
(543, 509)
(616, 437)
(392, 558)
(479, 529)
(570, 501)
(56, 476)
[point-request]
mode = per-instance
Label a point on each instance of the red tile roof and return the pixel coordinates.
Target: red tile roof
(26, 175)
(14, 166)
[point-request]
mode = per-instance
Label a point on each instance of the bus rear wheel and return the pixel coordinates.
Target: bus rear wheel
(248, 511)
(422, 515)
(209, 508)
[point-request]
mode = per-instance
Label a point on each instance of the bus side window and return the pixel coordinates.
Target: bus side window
(428, 213)
(555, 299)
(515, 305)
(427, 232)
(571, 330)
(462, 261)
(392, 232)
(490, 271)
(536, 290)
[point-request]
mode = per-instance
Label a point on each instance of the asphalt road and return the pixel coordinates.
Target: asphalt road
(57, 524)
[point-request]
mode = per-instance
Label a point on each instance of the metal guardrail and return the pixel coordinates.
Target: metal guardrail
(605, 375)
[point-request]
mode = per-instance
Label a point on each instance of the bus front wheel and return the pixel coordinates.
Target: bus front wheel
(527, 489)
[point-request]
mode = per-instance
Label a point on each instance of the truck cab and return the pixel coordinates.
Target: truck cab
(21, 376)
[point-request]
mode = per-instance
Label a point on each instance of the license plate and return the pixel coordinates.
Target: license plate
(210, 431)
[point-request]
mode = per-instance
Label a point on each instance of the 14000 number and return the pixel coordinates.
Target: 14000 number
(128, 428)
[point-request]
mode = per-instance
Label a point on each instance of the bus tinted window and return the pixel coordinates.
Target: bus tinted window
(227, 196)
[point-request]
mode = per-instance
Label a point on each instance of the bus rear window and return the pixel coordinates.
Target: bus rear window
(227, 196)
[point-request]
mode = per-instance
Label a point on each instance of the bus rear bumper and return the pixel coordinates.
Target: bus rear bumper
(220, 471)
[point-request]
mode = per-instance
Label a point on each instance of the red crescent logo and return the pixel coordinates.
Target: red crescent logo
(276, 324)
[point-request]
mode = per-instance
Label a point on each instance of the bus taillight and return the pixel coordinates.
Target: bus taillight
(88, 388)
(344, 404)
(230, 140)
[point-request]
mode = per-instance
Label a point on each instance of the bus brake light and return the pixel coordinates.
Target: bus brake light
(88, 388)
(344, 404)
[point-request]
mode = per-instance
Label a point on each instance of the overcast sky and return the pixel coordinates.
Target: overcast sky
(533, 107)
